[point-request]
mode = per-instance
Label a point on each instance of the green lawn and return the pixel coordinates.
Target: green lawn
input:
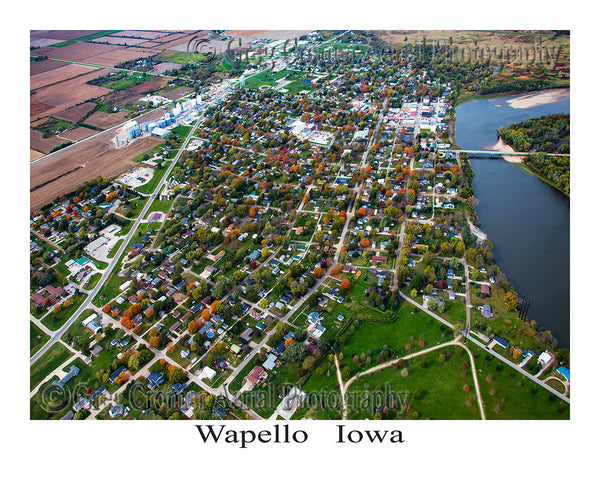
(511, 396)
(56, 355)
(93, 281)
(238, 381)
(176, 57)
(156, 178)
(159, 206)
(37, 338)
(77, 329)
(56, 320)
(435, 388)
(407, 331)
(115, 249)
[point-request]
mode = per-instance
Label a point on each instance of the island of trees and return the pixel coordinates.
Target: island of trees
(543, 135)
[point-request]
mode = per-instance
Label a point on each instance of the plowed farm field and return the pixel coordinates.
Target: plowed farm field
(67, 169)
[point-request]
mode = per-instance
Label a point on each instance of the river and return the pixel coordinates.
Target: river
(526, 219)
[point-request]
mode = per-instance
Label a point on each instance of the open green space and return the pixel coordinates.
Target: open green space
(508, 395)
(56, 320)
(51, 359)
(159, 173)
(53, 126)
(176, 57)
(115, 249)
(37, 338)
(436, 387)
(403, 336)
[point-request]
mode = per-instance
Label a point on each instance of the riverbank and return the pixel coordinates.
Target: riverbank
(542, 97)
(519, 213)
(470, 96)
(505, 148)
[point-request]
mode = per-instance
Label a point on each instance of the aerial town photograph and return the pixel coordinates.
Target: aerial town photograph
(299, 224)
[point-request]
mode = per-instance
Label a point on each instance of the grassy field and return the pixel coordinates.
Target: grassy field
(37, 338)
(507, 395)
(435, 387)
(56, 320)
(56, 355)
(53, 126)
(114, 250)
(156, 178)
(402, 336)
(159, 206)
(127, 81)
(176, 57)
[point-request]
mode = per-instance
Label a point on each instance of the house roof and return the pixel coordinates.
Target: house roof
(270, 362)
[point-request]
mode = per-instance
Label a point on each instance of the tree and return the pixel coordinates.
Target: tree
(149, 313)
(345, 284)
(365, 242)
(295, 353)
(318, 272)
(154, 342)
(205, 315)
(510, 299)
(215, 307)
(139, 359)
(192, 327)
(308, 363)
(177, 375)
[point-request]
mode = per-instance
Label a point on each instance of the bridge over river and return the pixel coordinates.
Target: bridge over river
(496, 153)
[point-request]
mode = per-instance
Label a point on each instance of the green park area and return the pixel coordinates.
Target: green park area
(37, 338)
(51, 359)
(436, 385)
(508, 395)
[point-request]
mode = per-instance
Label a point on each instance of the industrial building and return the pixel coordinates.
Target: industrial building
(160, 132)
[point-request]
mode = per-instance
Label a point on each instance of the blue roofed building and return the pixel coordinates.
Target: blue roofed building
(155, 379)
(113, 376)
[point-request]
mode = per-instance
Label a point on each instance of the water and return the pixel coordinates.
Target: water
(526, 219)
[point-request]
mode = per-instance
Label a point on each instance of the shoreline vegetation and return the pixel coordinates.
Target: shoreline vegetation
(466, 97)
(526, 100)
(541, 137)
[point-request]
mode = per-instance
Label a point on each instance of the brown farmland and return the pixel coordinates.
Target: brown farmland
(65, 170)
(36, 108)
(176, 93)
(67, 94)
(148, 35)
(76, 113)
(61, 35)
(153, 84)
(78, 133)
(106, 120)
(118, 40)
(58, 75)
(77, 52)
(35, 68)
(34, 154)
(164, 66)
(114, 57)
(119, 98)
(41, 144)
